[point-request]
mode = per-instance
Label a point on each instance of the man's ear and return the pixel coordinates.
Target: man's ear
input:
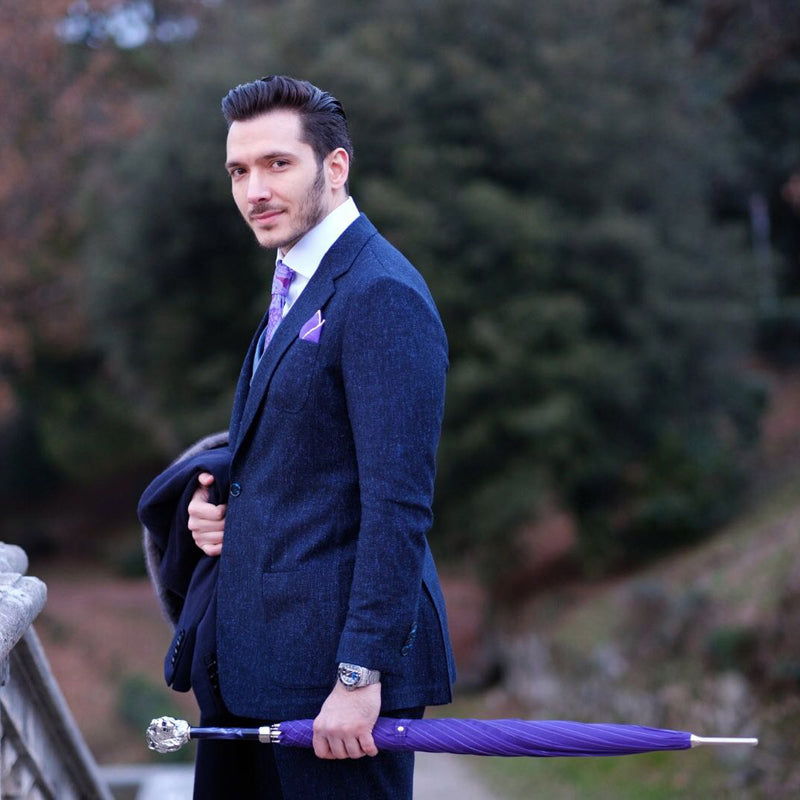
(337, 167)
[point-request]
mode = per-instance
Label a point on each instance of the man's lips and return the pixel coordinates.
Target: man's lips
(264, 216)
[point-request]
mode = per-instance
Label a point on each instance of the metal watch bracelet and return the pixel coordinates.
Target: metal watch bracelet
(352, 676)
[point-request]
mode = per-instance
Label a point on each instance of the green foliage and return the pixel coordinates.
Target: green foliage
(549, 169)
(749, 54)
(778, 337)
(139, 698)
(176, 290)
(649, 776)
(85, 428)
(125, 556)
(23, 465)
(731, 647)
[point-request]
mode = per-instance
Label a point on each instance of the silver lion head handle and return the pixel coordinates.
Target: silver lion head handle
(167, 734)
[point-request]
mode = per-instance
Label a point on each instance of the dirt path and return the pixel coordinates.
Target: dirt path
(438, 777)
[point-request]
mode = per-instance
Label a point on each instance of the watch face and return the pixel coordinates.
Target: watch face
(349, 677)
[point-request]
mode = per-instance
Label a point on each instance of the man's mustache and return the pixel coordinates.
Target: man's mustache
(261, 208)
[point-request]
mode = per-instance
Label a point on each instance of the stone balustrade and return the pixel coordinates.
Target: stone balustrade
(42, 753)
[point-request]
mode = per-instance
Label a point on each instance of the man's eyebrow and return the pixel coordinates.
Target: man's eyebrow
(265, 157)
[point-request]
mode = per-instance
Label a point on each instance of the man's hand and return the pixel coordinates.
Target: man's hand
(343, 727)
(206, 521)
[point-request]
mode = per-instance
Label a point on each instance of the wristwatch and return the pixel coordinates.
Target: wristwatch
(351, 676)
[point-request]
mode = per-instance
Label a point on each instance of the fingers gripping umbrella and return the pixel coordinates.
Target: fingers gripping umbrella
(496, 737)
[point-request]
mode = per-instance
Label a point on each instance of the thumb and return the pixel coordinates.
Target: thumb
(205, 479)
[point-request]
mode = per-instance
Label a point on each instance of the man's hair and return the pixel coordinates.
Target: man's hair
(322, 117)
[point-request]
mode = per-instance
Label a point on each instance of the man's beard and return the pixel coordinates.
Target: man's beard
(310, 213)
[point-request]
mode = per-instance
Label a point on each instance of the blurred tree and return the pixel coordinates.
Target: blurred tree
(753, 52)
(176, 287)
(65, 108)
(549, 167)
(58, 110)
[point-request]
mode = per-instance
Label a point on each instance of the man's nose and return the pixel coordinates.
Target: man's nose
(258, 188)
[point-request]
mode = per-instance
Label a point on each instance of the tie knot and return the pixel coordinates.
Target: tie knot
(282, 279)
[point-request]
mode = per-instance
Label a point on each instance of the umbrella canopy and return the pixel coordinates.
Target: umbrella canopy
(507, 737)
(497, 737)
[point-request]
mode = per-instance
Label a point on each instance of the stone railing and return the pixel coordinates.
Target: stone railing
(42, 754)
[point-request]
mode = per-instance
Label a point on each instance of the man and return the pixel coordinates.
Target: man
(328, 603)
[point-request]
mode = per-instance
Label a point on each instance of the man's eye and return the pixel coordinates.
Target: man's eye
(237, 172)
(280, 164)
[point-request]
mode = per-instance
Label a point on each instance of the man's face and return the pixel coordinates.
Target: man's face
(278, 185)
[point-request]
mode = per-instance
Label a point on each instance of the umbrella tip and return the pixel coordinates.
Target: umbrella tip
(719, 740)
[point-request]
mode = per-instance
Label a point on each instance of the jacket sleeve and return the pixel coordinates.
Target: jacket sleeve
(394, 361)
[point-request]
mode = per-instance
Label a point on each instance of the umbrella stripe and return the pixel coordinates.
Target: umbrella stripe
(507, 737)
(515, 736)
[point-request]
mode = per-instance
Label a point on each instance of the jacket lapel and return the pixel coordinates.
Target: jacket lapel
(243, 385)
(337, 261)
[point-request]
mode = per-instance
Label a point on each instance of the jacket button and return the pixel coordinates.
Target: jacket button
(406, 649)
(236, 489)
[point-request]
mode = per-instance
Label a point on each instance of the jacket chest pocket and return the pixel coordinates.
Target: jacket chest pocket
(291, 383)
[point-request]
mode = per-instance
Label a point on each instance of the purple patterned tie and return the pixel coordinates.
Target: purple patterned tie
(281, 281)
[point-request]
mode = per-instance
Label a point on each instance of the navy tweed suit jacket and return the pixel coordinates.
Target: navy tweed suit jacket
(332, 463)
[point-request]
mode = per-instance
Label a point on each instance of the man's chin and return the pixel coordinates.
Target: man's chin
(269, 240)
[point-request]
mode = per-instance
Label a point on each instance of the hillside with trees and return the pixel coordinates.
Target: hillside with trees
(575, 182)
(603, 197)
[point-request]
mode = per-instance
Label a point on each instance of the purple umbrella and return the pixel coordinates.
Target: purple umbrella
(477, 737)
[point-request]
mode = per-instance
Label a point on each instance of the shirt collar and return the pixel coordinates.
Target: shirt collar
(307, 254)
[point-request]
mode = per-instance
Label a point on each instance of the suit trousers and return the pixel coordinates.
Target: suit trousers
(241, 770)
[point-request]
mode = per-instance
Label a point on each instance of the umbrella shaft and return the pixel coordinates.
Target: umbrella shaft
(264, 734)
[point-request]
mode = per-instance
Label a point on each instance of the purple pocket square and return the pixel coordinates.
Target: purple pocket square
(311, 330)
